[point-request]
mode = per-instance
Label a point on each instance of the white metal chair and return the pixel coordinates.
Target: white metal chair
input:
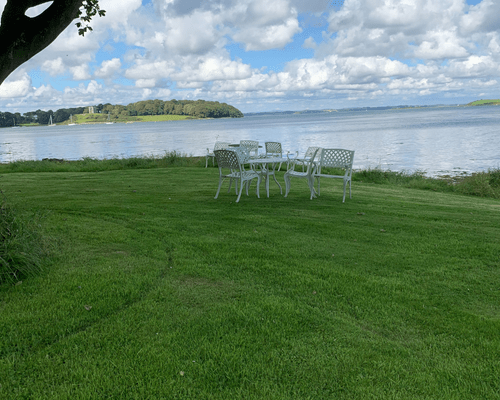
(230, 166)
(307, 156)
(252, 146)
(274, 149)
(338, 159)
(218, 146)
(308, 174)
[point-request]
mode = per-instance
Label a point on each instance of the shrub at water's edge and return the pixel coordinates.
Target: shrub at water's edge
(482, 184)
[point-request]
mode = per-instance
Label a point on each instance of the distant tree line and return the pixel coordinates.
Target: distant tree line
(38, 116)
(193, 108)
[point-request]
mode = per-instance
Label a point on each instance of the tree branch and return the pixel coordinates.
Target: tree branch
(22, 37)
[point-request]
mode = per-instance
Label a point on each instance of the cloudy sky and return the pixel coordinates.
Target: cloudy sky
(266, 55)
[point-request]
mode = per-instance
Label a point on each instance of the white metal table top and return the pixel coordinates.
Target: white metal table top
(270, 160)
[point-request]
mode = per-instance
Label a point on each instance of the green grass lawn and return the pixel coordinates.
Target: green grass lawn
(152, 289)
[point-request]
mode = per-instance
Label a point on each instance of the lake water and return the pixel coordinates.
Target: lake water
(446, 140)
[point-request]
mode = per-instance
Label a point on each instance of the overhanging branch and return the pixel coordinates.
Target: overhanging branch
(22, 37)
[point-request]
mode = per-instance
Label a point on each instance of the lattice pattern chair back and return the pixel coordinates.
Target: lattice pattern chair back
(243, 154)
(307, 156)
(311, 151)
(217, 146)
(227, 159)
(230, 161)
(336, 158)
(221, 145)
(308, 175)
(273, 149)
(252, 146)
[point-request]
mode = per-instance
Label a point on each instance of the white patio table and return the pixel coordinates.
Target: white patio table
(267, 168)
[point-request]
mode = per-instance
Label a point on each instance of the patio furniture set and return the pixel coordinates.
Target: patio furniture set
(242, 163)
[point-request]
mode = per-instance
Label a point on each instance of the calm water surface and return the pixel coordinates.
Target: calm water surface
(435, 140)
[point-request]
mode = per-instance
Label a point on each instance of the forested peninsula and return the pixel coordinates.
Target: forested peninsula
(139, 111)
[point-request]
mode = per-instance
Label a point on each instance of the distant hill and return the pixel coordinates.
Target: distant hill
(191, 108)
(174, 108)
(484, 103)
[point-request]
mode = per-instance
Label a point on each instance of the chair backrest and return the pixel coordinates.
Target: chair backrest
(227, 159)
(243, 154)
(310, 151)
(274, 149)
(311, 164)
(336, 158)
(251, 145)
(221, 145)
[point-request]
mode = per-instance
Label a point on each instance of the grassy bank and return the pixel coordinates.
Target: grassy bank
(103, 118)
(485, 103)
(153, 289)
(483, 184)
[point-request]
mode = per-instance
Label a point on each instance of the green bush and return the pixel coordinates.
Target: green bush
(494, 178)
(482, 184)
(22, 247)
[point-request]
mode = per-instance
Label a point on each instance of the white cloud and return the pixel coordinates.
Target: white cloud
(108, 68)
(180, 36)
(265, 25)
(145, 83)
(309, 43)
(213, 68)
(80, 72)
(481, 18)
(363, 50)
(54, 67)
(19, 87)
(268, 37)
(440, 45)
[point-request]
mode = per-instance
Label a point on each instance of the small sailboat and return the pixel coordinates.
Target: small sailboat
(71, 123)
(50, 121)
(108, 121)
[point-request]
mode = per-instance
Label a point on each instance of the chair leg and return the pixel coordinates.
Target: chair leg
(218, 189)
(287, 185)
(258, 186)
(310, 182)
(206, 162)
(275, 180)
(241, 189)
(267, 184)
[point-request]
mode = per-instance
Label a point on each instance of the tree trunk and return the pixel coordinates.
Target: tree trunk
(22, 37)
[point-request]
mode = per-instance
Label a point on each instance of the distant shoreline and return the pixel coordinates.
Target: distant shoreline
(380, 108)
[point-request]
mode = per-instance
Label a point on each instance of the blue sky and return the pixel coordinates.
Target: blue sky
(262, 55)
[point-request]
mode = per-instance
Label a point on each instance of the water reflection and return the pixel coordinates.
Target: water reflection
(434, 140)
